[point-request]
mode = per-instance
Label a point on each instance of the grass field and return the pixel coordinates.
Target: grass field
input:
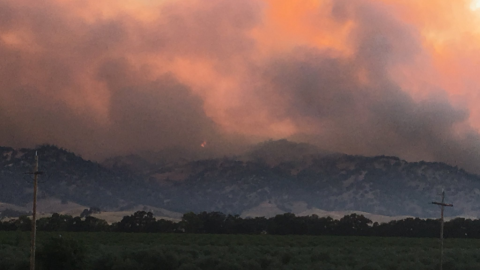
(190, 251)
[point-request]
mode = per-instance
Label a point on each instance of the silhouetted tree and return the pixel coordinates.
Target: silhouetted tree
(140, 221)
(353, 224)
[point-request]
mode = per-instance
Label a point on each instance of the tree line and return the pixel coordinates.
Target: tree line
(284, 224)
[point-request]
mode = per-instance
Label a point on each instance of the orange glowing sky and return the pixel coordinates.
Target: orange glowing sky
(396, 77)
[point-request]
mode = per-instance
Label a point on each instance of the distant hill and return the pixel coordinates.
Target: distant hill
(283, 175)
(281, 151)
(66, 176)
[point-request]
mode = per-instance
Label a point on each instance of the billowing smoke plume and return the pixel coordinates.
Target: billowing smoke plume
(115, 77)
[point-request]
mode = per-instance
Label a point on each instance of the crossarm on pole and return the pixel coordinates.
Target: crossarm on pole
(443, 204)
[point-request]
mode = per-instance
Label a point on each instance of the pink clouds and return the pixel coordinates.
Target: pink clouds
(363, 77)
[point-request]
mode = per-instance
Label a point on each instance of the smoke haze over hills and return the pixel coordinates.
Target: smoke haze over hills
(265, 181)
(366, 77)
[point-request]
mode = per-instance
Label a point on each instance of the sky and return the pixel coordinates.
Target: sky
(367, 77)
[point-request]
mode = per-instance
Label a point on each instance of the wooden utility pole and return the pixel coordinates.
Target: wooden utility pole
(34, 215)
(442, 206)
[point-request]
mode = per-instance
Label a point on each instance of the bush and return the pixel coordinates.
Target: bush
(152, 259)
(61, 254)
(320, 256)
(371, 266)
(13, 259)
(189, 266)
(228, 266)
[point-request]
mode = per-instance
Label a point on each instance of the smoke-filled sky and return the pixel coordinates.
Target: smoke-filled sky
(370, 77)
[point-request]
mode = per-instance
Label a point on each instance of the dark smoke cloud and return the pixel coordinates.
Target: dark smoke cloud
(95, 87)
(325, 94)
(152, 114)
(62, 56)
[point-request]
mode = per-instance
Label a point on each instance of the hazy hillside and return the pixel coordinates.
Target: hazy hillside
(380, 185)
(66, 176)
(283, 175)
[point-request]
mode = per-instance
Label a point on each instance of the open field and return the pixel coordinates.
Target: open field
(204, 251)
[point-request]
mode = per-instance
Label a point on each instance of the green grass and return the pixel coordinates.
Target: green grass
(190, 251)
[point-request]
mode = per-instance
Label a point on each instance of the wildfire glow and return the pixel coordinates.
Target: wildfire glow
(123, 73)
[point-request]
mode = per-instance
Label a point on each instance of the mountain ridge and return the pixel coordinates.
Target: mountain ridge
(380, 185)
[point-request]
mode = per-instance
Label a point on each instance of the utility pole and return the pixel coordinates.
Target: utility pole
(34, 216)
(442, 206)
